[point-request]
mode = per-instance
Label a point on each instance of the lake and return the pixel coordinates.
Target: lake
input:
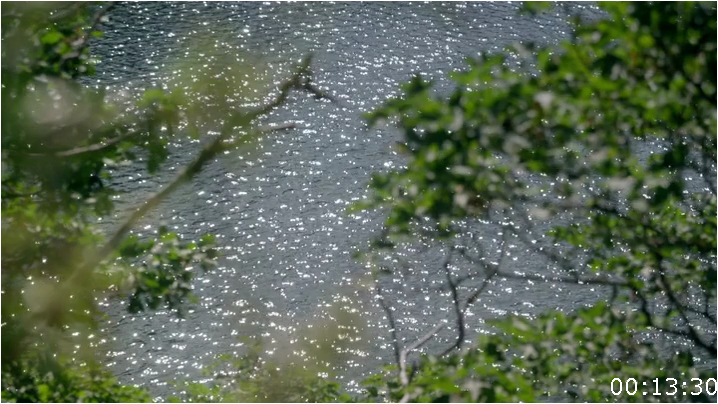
(278, 208)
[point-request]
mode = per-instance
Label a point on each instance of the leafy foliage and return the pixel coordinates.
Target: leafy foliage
(62, 143)
(251, 379)
(611, 142)
(546, 357)
(164, 276)
(61, 140)
(46, 382)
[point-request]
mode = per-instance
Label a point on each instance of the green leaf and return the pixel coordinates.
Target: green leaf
(51, 37)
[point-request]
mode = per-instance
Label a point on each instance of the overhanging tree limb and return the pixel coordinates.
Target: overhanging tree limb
(105, 144)
(297, 81)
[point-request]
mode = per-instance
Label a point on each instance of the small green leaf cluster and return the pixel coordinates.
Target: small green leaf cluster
(164, 275)
(55, 46)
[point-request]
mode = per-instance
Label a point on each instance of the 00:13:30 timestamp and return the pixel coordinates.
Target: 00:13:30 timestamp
(669, 387)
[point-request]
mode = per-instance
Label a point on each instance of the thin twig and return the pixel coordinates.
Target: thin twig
(404, 378)
(392, 323)
(113, 141)
(596, 280)
(67, 11)
(493, 270)
(90, 148)
(650, 321)
(554, 256)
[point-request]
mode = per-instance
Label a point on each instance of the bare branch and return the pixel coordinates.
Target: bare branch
(650, 319)
(404, 378)
(392, 323)
(595, 280)
(416, 345)
(319, 93)
(473, 260)
(491, 270)
(460, 326)
(90, 148)
(554, 256)
(490, 275)
(111, 142)
(299, 80)
(105, 144)
(259, 132)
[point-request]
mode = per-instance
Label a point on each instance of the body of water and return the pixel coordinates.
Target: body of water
(278, 210)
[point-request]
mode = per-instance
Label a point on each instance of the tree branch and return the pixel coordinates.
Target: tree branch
(650, 321)
(112, 141)
(460, 326)
(597, 280)
(403, 377)
(208, 152)
(416, 345)
(392, 323)
(86, 149)
(563, 262)
(490, 275)
(694, 335)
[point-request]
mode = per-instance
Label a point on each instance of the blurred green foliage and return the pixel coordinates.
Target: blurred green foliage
(62, 142)
(306, 374)
(567, 133)
(255, 380)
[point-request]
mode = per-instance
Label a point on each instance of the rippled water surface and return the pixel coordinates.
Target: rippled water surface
(279, 210)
